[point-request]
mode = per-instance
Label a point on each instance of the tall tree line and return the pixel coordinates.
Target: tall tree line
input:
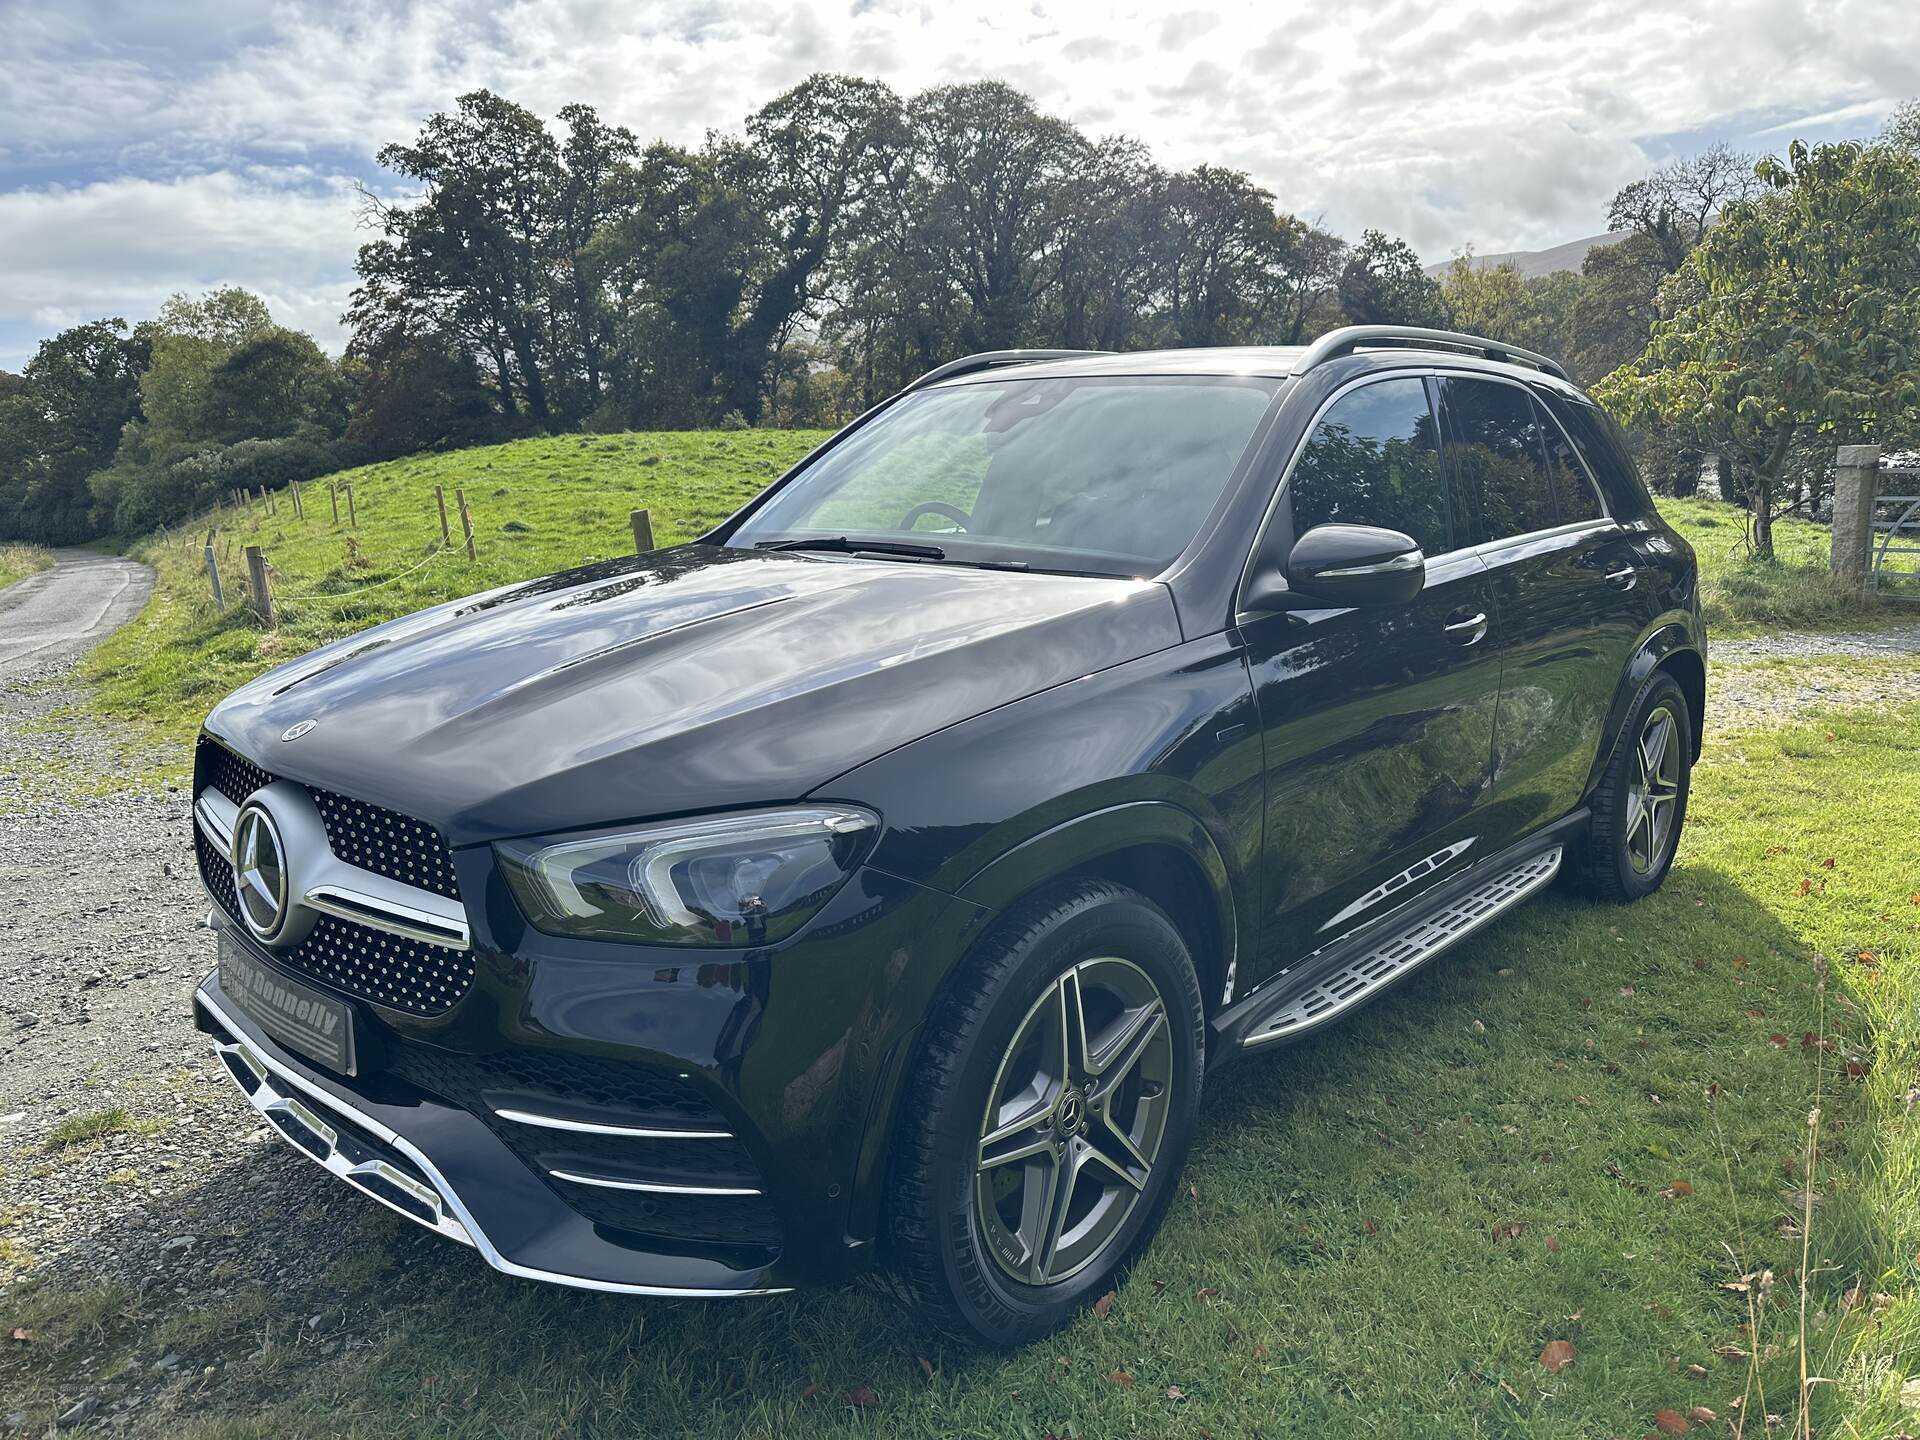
(846, 241)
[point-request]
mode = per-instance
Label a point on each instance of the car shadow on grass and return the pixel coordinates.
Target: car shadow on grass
(1582, 1124)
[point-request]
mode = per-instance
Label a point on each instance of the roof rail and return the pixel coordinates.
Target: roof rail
(1349, 338)
(994, 360)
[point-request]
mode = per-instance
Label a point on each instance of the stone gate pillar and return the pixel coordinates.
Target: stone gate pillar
(1856, 476)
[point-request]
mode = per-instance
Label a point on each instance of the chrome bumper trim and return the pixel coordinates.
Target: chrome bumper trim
(652, 1187)
(592, 1127)
(469, 1230)
(362, 1171)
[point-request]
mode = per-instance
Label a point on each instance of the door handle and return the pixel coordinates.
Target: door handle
(1468, 629)
(1623, 578)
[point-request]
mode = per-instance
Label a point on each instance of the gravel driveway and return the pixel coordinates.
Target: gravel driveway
(181, 1199)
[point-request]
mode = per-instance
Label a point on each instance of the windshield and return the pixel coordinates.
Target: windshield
(1109, 475)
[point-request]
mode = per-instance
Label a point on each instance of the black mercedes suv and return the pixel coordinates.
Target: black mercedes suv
(873, 882)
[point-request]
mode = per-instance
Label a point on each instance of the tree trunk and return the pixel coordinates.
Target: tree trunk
(1686, 474)
(1729, 486)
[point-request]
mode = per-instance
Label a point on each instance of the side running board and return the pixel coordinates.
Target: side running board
(1398, 955)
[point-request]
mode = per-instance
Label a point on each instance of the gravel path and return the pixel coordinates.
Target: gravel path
(184, 1200)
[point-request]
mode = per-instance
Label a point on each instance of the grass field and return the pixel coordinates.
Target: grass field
(19, 561)
(1586, 1125)
(541, 505)
(1743, 596)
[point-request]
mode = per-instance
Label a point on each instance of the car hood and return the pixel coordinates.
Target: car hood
(694, 678)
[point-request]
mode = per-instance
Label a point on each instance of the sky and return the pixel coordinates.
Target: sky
(174, 145)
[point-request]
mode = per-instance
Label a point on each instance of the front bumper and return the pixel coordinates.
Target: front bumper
(448, 1171)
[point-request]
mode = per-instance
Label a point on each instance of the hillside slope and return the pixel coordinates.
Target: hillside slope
(1534, 263)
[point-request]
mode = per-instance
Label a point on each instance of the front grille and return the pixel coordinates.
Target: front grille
(407, 975)
(383, 841)
(586, 1087)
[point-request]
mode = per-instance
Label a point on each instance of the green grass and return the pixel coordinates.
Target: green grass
(1577, 1126)
(19, 561)
(1796, 590)
(537, 506)
(89, 1125)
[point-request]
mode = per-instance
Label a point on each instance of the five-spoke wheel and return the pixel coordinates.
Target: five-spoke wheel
(1048, 1113)
(1074, 1121)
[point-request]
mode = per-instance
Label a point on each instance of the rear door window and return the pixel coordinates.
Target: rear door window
(1374, 459)
(1495, 447)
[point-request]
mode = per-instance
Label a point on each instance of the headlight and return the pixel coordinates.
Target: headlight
(729, 880)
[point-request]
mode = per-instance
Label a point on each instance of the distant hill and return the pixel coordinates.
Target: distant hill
(1531, 263)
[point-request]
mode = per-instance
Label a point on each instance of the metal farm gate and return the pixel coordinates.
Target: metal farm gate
(1895, 570)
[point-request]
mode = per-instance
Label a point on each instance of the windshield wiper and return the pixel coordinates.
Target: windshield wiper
(843, 544)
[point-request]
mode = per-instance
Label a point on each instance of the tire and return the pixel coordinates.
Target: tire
(968, 1246)
(1627, 850)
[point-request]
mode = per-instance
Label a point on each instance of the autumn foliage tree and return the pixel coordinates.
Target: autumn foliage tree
(1799, 316)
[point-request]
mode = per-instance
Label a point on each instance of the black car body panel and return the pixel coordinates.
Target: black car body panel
(689, 679)
(1258, 773)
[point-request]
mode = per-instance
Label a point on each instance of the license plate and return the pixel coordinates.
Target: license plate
(298, 1016)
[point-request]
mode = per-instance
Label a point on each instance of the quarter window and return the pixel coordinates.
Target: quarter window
(1373, 460)
(1495, 448)
(1573, 493)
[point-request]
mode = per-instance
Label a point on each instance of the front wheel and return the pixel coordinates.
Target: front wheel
(1641, 803)
(1052, 1104)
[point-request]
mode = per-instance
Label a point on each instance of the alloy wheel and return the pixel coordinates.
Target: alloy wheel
(1074, 1122)
(1653, 792)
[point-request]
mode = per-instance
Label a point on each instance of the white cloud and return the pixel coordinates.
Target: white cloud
(1501, 123)
(120, 247)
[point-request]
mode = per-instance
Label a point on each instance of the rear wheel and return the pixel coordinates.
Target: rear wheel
(1054, 1099)
(1641, 803)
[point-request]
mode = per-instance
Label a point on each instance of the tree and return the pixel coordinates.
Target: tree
(1801, 315)
(60, 420)
(1673, 206)
(1383, 284)
(1497, 301)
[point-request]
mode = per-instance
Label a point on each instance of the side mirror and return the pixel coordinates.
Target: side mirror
(1346, 565)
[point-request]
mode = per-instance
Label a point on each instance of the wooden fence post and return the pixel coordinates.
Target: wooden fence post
(298, 514)
(333, 494)
(273, 501)
(213, 575)
(440, 499)
(466, 519)
(1856, 476)
(642, 522)
(353, 515)
(257, 583)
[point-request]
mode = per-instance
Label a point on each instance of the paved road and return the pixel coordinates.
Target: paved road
(59, 613)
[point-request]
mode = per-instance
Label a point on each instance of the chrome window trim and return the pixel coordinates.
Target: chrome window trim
(1422, 372)
(488, 1251)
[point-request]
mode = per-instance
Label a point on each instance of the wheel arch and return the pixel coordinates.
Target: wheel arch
(1674, 644)
(1157, 848)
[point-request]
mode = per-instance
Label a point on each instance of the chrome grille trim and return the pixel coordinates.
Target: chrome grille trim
(470, 1231)
(633, 1132)
(654, 1187)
